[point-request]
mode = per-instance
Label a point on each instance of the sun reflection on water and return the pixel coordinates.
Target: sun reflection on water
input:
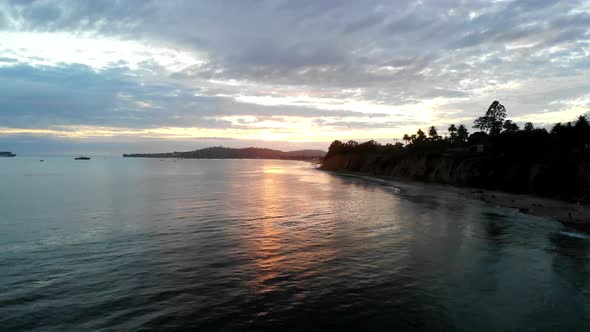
(280, 245)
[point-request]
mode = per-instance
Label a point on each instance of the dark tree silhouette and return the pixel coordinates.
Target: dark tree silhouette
(352, 144)
(407, 138)
(531, 160)
(510, 127)
(557, 129)
(420, 136)
(582, 132)
(433, 133)
(452, 133)
(462, 133)
(493, 120)
(582, 122)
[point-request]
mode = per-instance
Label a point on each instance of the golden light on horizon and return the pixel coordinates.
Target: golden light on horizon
(285, 134)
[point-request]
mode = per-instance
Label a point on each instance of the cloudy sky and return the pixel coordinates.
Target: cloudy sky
(172, 75)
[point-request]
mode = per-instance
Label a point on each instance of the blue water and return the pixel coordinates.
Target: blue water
(128, 244)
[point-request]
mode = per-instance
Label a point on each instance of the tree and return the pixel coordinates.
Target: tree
(510, 127)
(493, 120)
(452, 132)
(407, 138)
(462, 133)
(335, 148)
(433, 133)
(582, 123)
(529, 126)
(582, 132)
(420, 136)
(557, 129)
(352, 144)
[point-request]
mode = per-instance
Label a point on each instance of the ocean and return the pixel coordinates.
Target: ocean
(123, 244)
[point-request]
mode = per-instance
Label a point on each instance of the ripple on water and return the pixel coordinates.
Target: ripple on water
(215, 245)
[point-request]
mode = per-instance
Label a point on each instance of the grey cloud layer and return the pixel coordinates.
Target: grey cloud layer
(393, 53)
(34, 97)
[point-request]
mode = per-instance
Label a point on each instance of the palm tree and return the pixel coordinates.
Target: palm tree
(420, 136)
(433, 133)
(452, 132)
(407, 138)
(452, 128)
(462, 133)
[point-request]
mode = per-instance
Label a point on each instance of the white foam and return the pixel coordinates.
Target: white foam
(573, 234)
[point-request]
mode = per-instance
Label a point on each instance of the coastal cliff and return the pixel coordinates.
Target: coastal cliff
(500, 156)
(561, 178)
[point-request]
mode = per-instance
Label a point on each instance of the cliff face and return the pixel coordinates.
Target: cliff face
(567, 179)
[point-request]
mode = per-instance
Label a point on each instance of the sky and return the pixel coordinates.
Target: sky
(148, 76)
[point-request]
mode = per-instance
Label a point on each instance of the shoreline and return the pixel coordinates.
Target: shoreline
(569, 214)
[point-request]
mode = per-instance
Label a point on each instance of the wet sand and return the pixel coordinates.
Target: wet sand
(571, 214)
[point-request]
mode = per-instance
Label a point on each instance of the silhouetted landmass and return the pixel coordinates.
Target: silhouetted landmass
(500, 156)
(229, 153)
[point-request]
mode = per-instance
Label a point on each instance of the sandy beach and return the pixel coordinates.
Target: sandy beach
(575, 215)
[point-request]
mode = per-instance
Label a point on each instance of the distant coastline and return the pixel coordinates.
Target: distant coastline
(230, 153)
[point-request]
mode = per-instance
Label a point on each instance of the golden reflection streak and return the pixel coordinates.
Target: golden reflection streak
(277, 249)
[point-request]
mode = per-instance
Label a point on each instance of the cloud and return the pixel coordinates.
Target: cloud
(43, 96)
(341, 65)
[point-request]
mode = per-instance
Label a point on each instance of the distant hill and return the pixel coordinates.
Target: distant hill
(219, 152)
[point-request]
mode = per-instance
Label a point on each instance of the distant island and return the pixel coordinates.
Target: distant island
(220, 152)
(499, 156)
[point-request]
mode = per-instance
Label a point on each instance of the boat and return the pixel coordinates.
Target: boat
(6, 154)
(82, 158)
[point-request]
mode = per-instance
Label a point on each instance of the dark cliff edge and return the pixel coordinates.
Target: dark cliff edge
(500, 156)
(535, 170)
(229, 153)
(565, 178)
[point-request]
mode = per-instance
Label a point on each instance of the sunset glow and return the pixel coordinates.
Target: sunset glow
(163, 71)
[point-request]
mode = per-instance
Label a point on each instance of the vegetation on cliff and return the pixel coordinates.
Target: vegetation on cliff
(500, 155)
(220, 152)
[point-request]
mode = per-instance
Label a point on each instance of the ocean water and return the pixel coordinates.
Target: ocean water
(144, 244)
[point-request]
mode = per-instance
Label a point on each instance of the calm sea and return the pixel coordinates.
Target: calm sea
(129, 244)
